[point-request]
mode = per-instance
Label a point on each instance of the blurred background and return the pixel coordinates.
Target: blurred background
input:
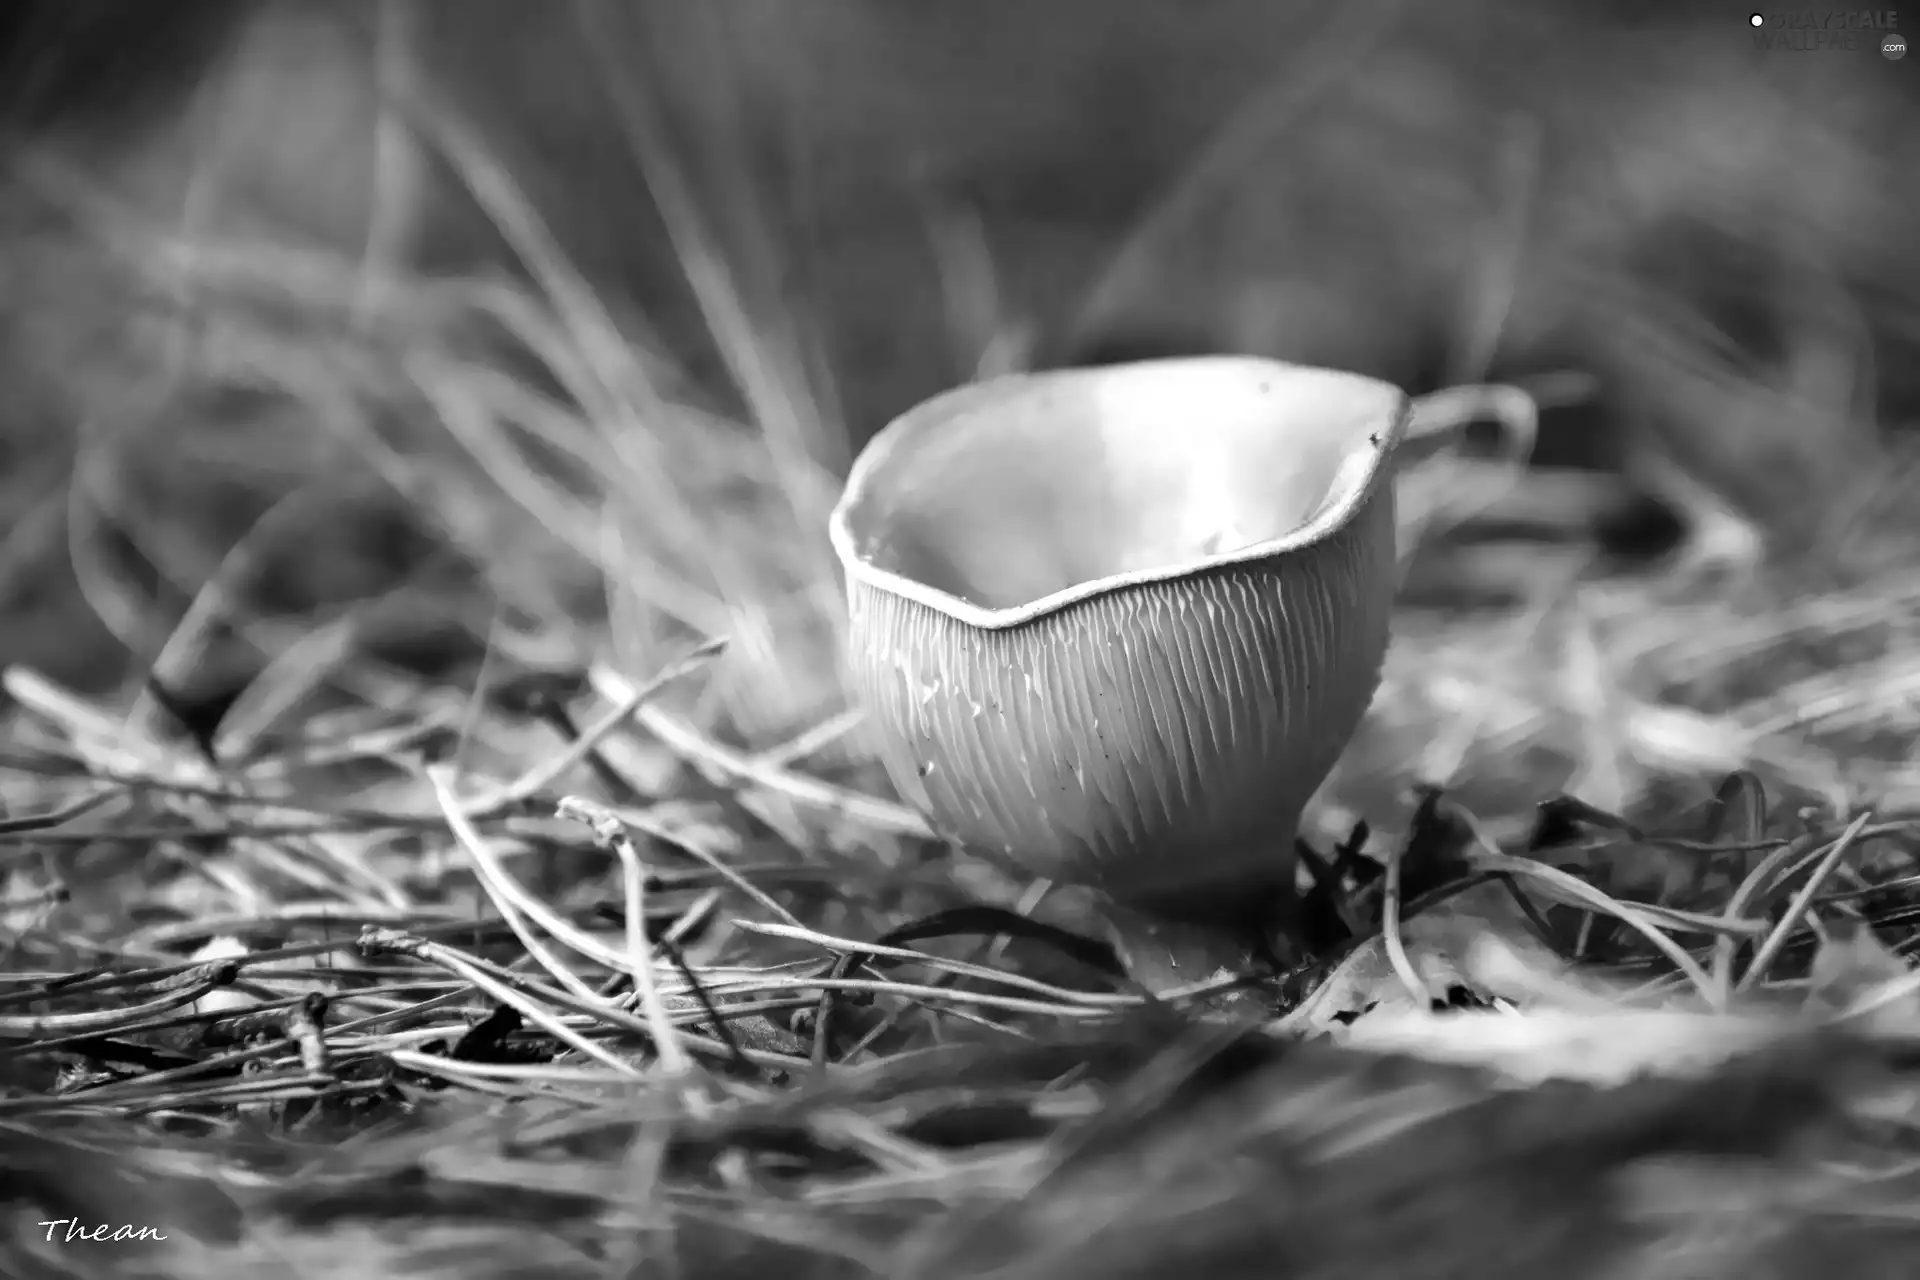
(374, 336)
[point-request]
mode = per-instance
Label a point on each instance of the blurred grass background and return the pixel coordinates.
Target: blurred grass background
(367, 339)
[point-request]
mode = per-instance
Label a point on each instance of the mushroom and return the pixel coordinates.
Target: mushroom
(1114, 626)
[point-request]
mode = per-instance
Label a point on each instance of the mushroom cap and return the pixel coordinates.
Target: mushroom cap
(1114, 626)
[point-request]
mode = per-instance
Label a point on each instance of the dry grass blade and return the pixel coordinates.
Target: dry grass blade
(1796, 912)
(1579, 893)
(1340, 46)
(376, 941)
(1756, 881)
(39, 822)
(1390, 930)
(960, 968)
(881, 816)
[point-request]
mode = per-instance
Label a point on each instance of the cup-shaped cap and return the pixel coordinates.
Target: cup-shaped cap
(1114, 626)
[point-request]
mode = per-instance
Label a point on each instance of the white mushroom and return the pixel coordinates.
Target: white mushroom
(1115, 625)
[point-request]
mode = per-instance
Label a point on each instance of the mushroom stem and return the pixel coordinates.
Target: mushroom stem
(1163, 952)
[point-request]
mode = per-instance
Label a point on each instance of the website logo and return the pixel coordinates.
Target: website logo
(1820, 30)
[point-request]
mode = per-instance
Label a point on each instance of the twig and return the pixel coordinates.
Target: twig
(511, 897)
(608, 832)
(543, 775)
(643, 822)
(200, 981)
(305, 1026)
